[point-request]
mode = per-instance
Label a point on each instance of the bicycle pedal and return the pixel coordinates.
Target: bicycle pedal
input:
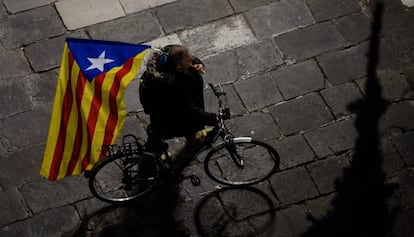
(195, 181)
(87, 173)
(166, 157)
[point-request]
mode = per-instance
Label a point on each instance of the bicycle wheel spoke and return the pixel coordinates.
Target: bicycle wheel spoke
(108, 174)
(259, 162)
(121, 178)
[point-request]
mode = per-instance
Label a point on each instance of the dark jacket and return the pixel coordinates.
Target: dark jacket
(174, 100)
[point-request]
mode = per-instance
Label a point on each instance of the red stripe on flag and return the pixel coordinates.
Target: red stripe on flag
(80, 87)
(93, 117)
(113, 106)
(66, 108)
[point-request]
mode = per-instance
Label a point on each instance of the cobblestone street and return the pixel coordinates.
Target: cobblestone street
(297, 75)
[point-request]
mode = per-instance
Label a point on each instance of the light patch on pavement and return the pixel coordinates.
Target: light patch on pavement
(132, 6)
(165, 40)
(408, 3)
(219, 36)
(14, 6)
(80, 13)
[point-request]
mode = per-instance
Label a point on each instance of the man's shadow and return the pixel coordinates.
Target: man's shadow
(149, 216)
(360, 205)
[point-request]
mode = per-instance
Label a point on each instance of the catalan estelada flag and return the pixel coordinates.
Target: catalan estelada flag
(89, 107)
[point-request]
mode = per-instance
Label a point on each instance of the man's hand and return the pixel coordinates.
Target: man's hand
(203, 133)
(199, 67)
(225, 114)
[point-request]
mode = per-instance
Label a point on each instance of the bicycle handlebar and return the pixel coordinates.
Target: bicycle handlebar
(224, 113)
(216, 91)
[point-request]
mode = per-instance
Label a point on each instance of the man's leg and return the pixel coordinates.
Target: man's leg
(155, 141)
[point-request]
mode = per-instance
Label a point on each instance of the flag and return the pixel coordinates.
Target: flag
(89, 108)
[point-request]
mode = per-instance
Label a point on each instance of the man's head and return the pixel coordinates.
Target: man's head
(179, 57)
(175, 58)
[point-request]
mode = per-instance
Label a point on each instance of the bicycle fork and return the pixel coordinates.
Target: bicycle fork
(237, 159)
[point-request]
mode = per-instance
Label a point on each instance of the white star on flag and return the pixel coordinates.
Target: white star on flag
(99, 62)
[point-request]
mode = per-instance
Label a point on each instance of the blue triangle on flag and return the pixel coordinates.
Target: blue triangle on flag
(98, 56)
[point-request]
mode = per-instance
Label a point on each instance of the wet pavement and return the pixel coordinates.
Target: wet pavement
(301, 75)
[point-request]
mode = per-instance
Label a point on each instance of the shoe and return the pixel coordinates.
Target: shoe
(166, 157)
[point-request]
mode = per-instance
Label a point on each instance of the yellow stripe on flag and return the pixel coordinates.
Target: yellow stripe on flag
(72, 124)
(56, 116)
(85, 108)
(102, 118)
(121, 105)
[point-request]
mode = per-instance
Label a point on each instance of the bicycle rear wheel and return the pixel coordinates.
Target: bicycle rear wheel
(121, 178)
(255, 162)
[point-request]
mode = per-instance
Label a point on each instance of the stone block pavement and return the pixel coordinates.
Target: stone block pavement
(291, 69)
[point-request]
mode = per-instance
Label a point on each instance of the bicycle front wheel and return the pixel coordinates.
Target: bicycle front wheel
(241, 162)
(122, 178)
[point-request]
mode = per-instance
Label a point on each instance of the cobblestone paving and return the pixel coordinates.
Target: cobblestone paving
(291, 69)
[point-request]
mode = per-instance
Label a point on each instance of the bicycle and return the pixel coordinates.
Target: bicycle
(128, 171)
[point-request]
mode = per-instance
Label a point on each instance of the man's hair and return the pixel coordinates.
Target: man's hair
(177, 54)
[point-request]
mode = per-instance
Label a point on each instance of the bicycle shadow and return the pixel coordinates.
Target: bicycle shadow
(359, 207)
(234, 211)
(150, 216)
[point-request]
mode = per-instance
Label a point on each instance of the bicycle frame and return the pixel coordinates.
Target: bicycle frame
(222, 131)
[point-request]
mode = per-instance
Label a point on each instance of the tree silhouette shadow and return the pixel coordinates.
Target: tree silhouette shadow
(360, 205)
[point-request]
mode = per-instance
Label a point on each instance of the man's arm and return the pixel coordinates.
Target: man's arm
(198, 65)
(205, 118)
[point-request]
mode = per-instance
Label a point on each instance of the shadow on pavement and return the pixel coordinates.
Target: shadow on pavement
(360, 207)
(150, 216)
(234, 211)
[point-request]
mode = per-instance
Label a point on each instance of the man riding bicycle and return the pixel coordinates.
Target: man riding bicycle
(171, 92)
